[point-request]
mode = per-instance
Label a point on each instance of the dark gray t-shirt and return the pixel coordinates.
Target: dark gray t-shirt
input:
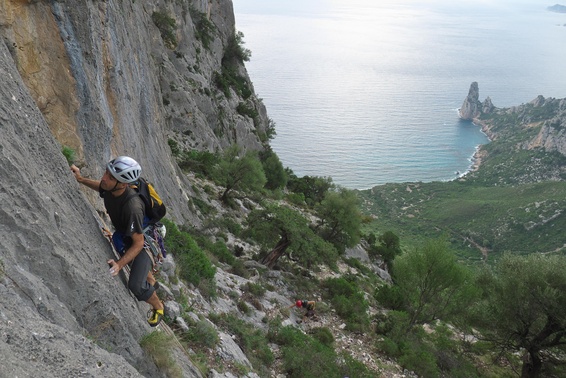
(126, 211)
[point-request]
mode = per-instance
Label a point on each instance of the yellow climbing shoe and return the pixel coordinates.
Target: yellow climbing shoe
(155, 317)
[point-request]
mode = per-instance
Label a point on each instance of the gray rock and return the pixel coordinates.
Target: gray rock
(168, 266)
(471, 108)
(181, 323)
(172, 309)
(228, 350)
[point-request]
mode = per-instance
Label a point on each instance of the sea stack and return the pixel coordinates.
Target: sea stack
(471, 108)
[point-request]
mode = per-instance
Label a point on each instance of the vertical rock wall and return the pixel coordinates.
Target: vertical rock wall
(96, 76)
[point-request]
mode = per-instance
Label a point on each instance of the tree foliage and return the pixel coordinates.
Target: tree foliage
(235, 52)
(274, 172)
(388, 248)
(429, 284)
(340, 218)
(194, 265)
(524, 308)
(313, 188)
(239, 173)
(285, 232)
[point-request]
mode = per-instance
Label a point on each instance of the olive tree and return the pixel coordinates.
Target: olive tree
(285, 232)
(429, 284)
(237, 172)
(340, 218)
(523, 309)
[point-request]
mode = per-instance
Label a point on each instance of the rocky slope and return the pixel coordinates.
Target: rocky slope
(96, 76)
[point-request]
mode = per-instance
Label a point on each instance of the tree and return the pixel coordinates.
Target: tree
(274, 171)
(430, 284)
(389, 247)
(314, 188)
(292, 235)
(340, 219)
(239, 173)
(524, 308)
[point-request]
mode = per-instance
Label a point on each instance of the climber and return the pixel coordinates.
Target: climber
(126, 211)
(309, 306)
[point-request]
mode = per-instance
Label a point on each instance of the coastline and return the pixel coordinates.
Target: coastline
(479, 153)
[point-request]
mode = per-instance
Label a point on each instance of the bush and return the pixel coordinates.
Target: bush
(202, 334)
(389, 347)
(244, 308)
(204, 29)
(202, 162)
(252, 341)
(313, 188)
(174, 146)
(235, 52)
(323, 335)
(421, 362)
(349, 303)
(69, 154)
(254, 288)
(159, 346)
(229, 78)
(305, 356)
(390, 297)
(193, 263)
(166, 26)
(245, 110)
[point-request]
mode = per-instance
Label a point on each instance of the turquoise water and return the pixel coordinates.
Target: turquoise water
(367, 92)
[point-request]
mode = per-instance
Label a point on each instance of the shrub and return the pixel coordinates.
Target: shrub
(69, 154)
(390, 297)
(204, 29)
(246, 110)
(203, 206)
(244, 308)
(305, 356)
(159, 346)
(254, 288)
(252, 341)
(202, 162)
(229, 78)
(421, 362)
(174, 146)
(193, 263)
(323, 335)
(203, 334)
(349, 302)
(235, 52)
(166, 26)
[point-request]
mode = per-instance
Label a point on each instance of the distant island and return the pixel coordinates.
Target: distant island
(557, 8)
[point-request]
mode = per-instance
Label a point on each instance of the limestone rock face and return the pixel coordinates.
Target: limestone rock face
(552, 134)
(109, 83)
(97, 76)
(487, 106)
(58, 301)
(471, 107)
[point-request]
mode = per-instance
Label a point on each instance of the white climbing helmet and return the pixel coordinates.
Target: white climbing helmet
(124, 169)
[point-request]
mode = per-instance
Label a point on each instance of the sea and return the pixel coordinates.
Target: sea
(367, 92)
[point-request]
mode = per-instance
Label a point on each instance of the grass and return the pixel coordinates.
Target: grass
(159, 346)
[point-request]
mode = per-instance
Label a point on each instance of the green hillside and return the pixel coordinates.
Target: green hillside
(514, 202)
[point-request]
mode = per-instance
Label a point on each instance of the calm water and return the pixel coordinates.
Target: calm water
(367, 91)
